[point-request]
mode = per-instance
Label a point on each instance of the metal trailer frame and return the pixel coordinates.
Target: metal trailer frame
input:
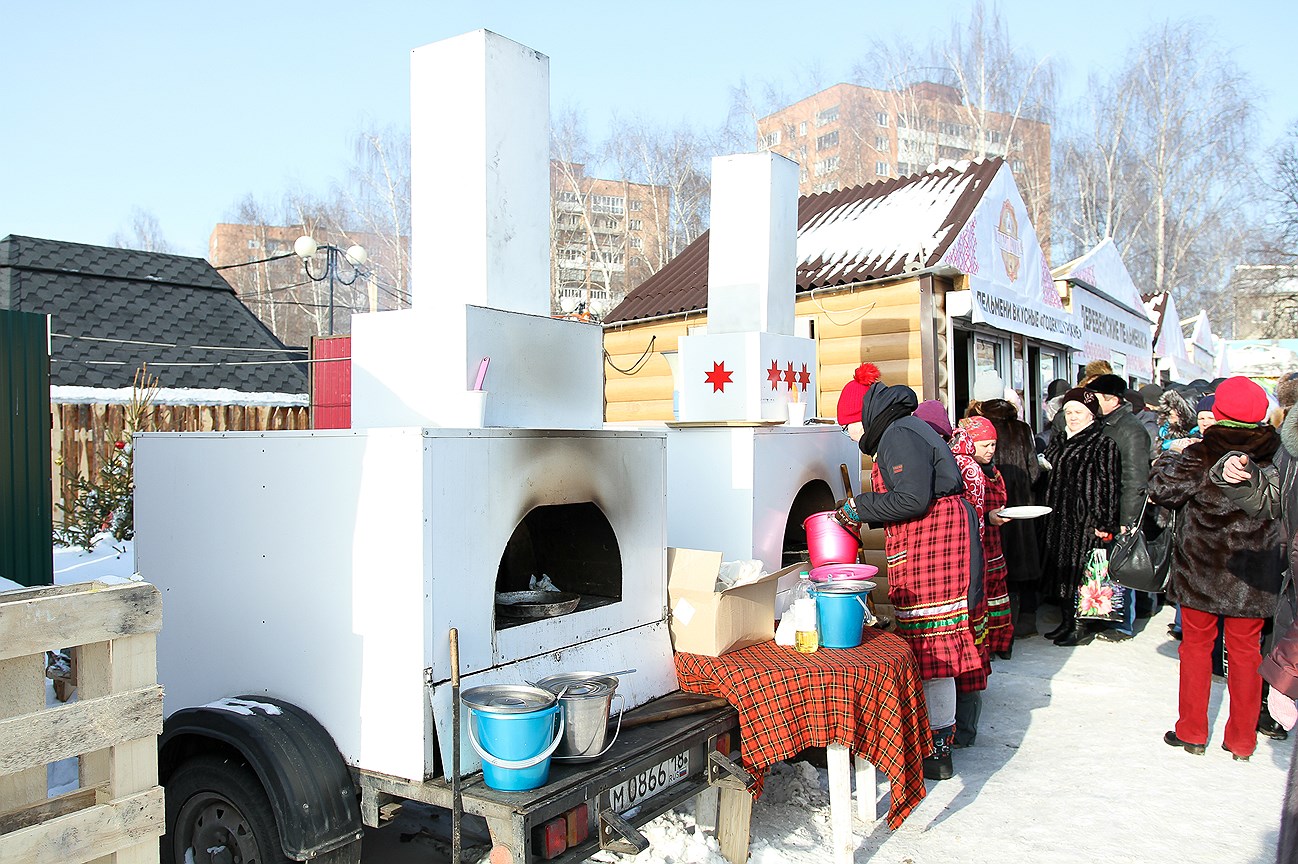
(514, 817)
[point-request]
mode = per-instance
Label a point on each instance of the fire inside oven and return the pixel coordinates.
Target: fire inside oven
(814, 497)
(571, 547)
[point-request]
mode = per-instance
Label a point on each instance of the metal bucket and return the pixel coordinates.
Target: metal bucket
(513, 730)
(585, 699)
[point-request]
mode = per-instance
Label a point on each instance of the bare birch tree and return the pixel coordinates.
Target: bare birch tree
(1165, 167)
(678, 160)
(145, 234)
(1004, 102)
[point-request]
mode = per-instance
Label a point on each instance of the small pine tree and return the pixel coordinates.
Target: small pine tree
(107, 504)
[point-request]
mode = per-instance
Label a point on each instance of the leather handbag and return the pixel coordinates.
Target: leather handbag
(1131, 564)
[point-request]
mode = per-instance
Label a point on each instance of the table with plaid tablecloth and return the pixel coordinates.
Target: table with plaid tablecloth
(869, 698)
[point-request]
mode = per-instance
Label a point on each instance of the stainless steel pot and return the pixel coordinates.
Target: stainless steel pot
(586, 700)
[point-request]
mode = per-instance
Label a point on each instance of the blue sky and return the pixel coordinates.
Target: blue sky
(182, 109)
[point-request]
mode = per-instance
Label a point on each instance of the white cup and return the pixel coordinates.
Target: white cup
(797, 413)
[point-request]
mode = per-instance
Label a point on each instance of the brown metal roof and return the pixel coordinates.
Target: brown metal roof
(845, 237)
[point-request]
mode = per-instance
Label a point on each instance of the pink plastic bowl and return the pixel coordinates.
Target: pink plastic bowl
(827, 541)
(842, 572)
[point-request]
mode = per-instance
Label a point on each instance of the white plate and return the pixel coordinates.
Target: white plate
(1023, 511)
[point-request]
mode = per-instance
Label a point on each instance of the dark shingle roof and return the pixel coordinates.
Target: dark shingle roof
(123, 294)
(845, 237)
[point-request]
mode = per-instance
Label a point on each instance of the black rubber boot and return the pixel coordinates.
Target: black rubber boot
(937, 765)
(968, 708)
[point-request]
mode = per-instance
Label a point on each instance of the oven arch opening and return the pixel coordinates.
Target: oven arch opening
(574, 545)
(814, 497)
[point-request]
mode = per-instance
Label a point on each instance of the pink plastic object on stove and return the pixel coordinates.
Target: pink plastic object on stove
(842, 572)
(827, 541)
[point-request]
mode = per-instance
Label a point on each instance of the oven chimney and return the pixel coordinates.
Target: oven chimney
(752, 249)
(480, 245)
(749, 365)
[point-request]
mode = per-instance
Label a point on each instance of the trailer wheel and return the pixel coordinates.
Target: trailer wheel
(217, 808)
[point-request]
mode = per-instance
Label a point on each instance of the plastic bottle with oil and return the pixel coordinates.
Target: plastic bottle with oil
(806, 638)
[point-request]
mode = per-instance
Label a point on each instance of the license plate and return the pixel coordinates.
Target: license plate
(649, 783)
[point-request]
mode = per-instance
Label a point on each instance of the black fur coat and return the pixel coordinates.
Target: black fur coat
(1083, 492)
(1224, 561)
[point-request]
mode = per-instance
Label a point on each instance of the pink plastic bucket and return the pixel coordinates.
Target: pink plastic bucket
(827, 541)
(842, 572)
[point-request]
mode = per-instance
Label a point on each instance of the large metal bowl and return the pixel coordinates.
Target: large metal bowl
(535, 604)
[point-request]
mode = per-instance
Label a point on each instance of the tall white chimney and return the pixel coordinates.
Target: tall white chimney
(749, 365)
(752, 250)
(480, 248)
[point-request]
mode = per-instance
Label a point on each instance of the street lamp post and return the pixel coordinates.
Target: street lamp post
(306, 247)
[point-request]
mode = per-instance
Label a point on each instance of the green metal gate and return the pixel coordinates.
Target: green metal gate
(26, 509)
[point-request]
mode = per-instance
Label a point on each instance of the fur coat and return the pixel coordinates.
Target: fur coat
(1083, 495)
(1016, 457)
(1224, 561)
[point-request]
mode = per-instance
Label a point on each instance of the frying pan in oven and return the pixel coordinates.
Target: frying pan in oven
(535, 604)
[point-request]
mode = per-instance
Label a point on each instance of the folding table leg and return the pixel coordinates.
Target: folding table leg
(867, 791)
(840, 802)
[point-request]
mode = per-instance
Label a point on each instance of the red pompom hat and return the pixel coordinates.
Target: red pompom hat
(1241, 400)
(851, 400)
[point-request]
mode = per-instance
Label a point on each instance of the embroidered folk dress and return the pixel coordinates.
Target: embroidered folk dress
(984, 488)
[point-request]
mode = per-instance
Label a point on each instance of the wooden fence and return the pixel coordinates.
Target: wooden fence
(117, 814)
(82, 437)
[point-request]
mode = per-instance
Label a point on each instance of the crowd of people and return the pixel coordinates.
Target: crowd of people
(1213, 464)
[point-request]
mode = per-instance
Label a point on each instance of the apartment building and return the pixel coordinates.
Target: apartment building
(607, 236)
(849, 135)
(1264, 298)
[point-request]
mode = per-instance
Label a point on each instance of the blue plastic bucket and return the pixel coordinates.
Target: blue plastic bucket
(515, 746)
(840, 615)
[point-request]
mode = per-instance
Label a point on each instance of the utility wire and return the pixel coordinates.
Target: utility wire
(258, 261)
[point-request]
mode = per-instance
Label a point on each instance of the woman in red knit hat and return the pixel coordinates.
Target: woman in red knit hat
(1226, 565)
(930, 538)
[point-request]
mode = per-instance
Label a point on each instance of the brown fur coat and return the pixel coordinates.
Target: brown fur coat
(1224, 561)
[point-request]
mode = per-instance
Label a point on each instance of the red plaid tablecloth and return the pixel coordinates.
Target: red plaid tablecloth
(869, 698)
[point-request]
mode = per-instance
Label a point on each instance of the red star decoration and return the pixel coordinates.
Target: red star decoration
(773, 375)
(804, 377)
(718, 377)
(790, 377)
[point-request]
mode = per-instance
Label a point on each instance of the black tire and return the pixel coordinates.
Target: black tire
(218, 803)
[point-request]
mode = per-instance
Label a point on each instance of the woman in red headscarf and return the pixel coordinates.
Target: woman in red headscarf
(974, 446)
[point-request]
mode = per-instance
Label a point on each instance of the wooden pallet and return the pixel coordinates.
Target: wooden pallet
(117, 814)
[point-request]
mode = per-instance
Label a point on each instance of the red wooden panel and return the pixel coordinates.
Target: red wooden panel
(331, 382)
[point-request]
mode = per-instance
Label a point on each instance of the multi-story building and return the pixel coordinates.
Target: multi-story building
(1265, 301)
(607, 236)
(258, 261)
(849, 135)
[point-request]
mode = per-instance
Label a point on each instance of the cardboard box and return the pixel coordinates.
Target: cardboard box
(710, 622)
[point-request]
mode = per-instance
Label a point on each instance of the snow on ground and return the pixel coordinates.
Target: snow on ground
(1069, 767)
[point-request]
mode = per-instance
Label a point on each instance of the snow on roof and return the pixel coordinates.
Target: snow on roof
(1103, 269)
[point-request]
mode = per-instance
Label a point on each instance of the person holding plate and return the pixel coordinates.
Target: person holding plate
(1082, 493)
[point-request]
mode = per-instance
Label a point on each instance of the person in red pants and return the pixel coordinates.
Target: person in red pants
(1226, 564)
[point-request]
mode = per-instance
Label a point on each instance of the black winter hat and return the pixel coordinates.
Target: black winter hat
(1109, 385)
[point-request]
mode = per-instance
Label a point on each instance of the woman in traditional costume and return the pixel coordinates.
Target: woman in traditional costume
(930, 539)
